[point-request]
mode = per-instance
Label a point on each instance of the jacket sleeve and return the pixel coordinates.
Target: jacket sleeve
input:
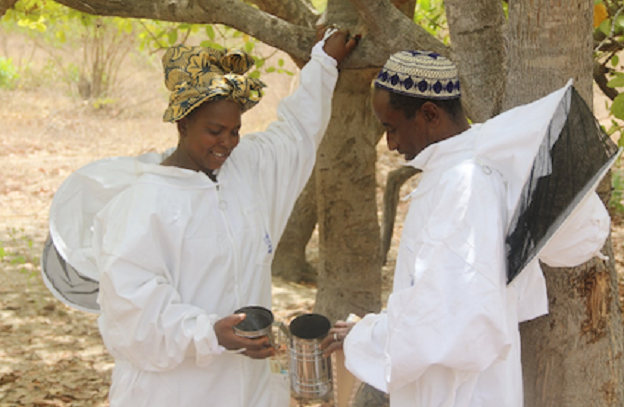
(581, 237)
(453, 315)
(283, 156)
(142, 318)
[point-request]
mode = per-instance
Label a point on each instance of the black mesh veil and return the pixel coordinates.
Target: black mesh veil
(573, 157)
(67, 284)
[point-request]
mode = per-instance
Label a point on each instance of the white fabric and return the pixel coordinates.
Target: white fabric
(174, 252)
(449, 336)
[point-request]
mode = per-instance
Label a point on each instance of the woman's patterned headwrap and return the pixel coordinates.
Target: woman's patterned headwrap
(421, 74)
(195, 75)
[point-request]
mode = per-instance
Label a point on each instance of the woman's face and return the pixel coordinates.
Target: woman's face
(209, 134)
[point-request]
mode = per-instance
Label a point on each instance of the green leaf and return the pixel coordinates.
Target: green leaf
(255, 74)
(616, 82)
(617, 107)
(61, 36)
(249, 46)
(210, 32)
(211, 44)
(259, 62)
(18, 260)
(605, 27)
(615, 60)
(270, 69)
(173, 36)
(280, 62)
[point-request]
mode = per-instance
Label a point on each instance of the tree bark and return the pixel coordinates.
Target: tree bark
(477, 41)
(573, 356)
(539, 60)
(395, 180)
(294, 11)
(349, 270)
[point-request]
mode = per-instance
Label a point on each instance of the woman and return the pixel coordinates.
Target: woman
(192, 238)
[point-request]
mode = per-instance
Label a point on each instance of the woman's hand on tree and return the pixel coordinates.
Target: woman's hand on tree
(338, 45)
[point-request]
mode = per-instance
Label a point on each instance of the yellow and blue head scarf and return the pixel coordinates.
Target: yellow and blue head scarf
(195, 75)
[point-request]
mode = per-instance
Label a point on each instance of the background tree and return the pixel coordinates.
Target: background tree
(573, 356)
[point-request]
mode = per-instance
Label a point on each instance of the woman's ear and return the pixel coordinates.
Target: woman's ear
(182, 123)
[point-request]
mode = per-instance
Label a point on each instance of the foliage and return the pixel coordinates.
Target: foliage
(609, 38)
(102, 44)
(431, 15)
(8, 73)
(320, 5)
(158, 35)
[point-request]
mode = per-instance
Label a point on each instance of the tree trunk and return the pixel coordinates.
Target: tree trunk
(349, 270)
(394, 182)
(477, 40)
(290, 261)
(573, 356)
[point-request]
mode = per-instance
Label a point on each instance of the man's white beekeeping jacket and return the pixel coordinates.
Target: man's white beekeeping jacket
(174, 252)
(449, 336)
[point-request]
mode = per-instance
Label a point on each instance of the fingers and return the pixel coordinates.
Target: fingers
(338, 46)
(258, 348)
(352, 43)
(320, 31)
(332, 348)
(335, 337)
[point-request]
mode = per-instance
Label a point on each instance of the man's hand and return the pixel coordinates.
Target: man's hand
(255, 348)
(336, 45)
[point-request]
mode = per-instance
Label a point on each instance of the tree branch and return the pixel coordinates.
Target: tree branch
(5, 5)
(294, 11)
(600, 77)
(294, 39)
(378, 15)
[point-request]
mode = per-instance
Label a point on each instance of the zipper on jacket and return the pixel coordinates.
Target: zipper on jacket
(222, 207)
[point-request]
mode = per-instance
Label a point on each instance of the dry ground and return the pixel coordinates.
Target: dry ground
(51, 355)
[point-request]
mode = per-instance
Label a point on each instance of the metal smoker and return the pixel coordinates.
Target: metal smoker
(310, 372)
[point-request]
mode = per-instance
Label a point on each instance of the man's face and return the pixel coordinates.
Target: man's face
(407, 136)
(210, 133)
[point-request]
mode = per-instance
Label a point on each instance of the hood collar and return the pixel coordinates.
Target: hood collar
(446, 151)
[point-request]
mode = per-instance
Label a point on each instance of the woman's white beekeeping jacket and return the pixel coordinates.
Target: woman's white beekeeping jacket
(449, 336)
(174, 252)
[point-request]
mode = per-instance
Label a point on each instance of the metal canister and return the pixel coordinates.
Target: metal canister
(310, 372)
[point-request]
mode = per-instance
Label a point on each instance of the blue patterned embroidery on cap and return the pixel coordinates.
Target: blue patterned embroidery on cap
(437, 87)
(421, 74)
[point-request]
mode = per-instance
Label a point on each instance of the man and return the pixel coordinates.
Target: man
(449, 336)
